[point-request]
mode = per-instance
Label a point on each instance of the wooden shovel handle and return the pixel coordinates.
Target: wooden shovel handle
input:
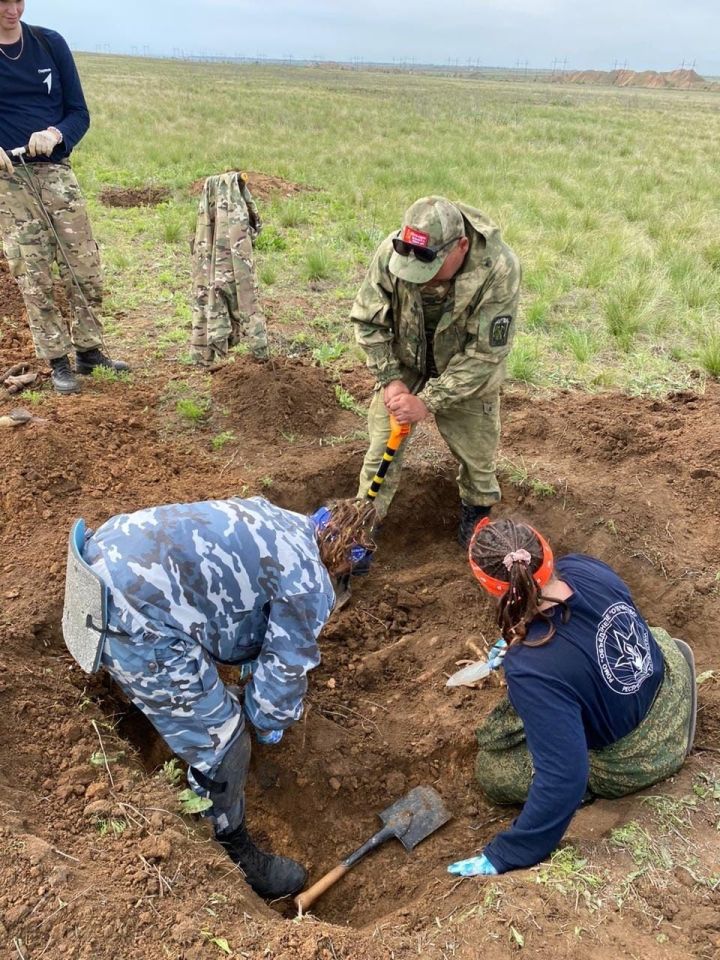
(308, 897)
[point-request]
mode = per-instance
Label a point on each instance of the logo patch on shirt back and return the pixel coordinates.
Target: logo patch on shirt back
(623, 649)
(500, 330)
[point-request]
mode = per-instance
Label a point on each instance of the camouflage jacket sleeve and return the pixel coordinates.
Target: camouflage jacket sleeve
(256, 223)
(490, 330)
(372, 315)
(274, 697)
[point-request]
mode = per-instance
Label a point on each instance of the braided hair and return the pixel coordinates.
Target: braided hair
(511, 552)
(351, 524)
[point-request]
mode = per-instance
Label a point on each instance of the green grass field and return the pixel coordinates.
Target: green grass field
(607, 195)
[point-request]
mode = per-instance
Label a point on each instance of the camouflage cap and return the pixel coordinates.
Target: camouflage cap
(431, 222)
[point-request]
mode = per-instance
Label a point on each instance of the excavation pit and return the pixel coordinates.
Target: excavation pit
(632, 482)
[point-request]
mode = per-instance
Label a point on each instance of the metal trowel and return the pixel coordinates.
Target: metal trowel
(409, 820)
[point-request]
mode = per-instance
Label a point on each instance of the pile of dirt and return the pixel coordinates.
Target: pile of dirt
(295, 400)
(95, 855)
(148, 196)
(263, 186)
(680, 79)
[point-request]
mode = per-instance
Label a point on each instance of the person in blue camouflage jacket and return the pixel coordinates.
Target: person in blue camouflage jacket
(230, 581)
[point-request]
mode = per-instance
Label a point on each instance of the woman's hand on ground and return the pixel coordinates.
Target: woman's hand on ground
(474, 867)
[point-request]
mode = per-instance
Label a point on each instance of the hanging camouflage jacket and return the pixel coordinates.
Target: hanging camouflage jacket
(474, 335)
(226, 309)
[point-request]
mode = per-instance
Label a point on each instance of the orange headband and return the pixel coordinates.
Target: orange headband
(499, 587)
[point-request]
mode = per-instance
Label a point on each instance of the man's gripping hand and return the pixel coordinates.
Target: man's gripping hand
(42, 143)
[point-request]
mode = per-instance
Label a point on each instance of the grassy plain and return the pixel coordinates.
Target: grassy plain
(608, 196)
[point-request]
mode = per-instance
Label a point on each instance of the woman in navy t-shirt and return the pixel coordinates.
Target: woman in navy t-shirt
(598, 704)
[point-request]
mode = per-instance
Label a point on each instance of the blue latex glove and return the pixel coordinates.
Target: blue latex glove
(497, 654)
(474, 867)
(270, 736)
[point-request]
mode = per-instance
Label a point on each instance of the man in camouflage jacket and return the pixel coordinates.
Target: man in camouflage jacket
(230, 581)
(436, 316)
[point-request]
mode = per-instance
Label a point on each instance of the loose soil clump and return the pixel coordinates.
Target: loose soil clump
(149, 196)
(96, 858)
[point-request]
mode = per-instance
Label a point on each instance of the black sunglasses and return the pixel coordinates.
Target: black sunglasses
(423, 254)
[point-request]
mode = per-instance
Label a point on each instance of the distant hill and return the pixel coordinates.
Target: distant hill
(675, 79)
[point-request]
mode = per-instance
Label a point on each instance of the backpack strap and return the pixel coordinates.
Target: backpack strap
(37, 33)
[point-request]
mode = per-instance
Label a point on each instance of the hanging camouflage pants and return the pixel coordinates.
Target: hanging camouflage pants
(226, 309)
(651, 752)
(175, 683)
(471, 429)
(31, 251)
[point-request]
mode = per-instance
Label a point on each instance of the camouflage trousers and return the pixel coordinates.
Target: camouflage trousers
(226, 308)
(175, 683)
(654, 750)
(471, 430)
(31, 250)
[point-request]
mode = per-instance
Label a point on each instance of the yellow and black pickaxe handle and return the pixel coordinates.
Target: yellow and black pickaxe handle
(398, 432)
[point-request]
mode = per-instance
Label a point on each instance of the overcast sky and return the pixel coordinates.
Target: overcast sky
(648, 34)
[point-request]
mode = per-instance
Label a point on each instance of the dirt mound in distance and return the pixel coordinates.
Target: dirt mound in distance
(263, 186)
(148, 196)
(674, 79)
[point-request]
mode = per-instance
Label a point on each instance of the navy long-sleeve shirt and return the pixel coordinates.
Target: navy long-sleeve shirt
(590, 686)
(39, 90)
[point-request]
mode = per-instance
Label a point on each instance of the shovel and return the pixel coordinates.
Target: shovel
(409, 820)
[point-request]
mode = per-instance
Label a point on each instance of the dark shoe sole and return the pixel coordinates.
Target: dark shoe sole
(66, 391)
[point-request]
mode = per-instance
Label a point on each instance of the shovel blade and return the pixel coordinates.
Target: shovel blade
(416, 815)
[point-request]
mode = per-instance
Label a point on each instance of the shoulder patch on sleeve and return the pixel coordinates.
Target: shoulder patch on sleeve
(500, 330)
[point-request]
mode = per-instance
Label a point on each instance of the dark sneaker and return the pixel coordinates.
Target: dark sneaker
(87, 360)
(470, 516)
(270, 876)
(63, 378)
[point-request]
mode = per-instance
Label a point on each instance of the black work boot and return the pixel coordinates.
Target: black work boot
(63, 379)
(87, 360)
(270, 876)
(470, 515)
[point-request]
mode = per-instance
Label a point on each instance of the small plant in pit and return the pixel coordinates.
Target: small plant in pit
(646, 850)
(108, 375)
(192, 409)
(113, 826)
(190, 802)
(348, 402)
(220, 942)
(329, 352)
(569, 873)
(222, 439)
(518, 474)
(172, 771)
(100, 759)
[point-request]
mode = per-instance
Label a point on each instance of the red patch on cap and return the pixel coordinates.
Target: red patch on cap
(416, 237)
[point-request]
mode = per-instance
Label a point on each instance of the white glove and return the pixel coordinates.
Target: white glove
(6, 163)
(43, 142)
